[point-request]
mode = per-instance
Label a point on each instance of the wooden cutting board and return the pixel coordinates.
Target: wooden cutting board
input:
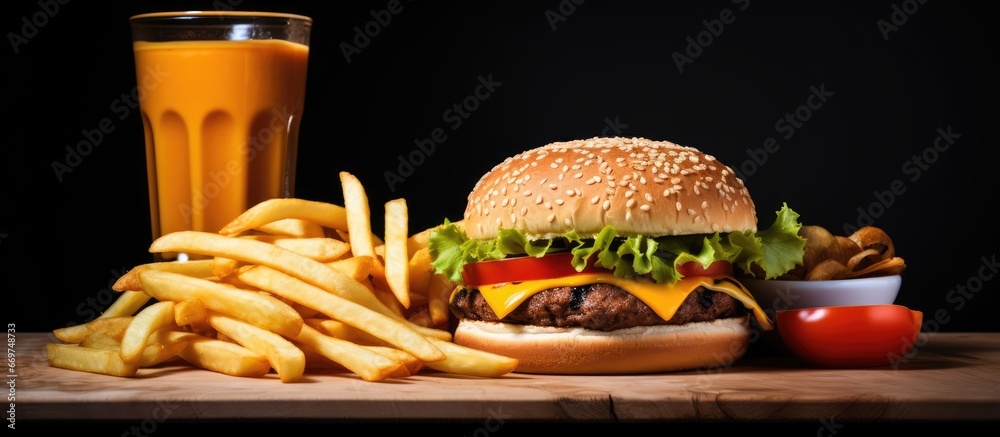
(954, 376)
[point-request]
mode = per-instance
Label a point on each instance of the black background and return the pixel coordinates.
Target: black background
(599, 68)
(596, 69)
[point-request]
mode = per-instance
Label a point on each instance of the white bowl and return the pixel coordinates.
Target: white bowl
(775, 295)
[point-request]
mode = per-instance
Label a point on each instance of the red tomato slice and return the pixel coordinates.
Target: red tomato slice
(523, 268)
(557, 265)
(850, 336)
(694, 268)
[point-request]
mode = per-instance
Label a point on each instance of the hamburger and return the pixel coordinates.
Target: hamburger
(611, 256)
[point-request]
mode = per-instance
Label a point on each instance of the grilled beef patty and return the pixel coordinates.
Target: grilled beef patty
(602, 307)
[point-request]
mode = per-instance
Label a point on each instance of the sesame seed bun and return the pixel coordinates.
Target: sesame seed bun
(639, 186)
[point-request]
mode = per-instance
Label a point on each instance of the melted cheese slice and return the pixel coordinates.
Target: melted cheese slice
(661, 298)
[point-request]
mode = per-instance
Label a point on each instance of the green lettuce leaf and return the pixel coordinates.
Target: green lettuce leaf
(773, 251)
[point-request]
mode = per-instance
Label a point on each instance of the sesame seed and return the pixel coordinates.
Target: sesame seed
(551, 218)
(527, 193)
(629, 194)
(506, 201)
(704, 204)
(606, 205)
(678, 205)
(578, 176)
(692, 211)
(567, 221)
(594, 200)
(548, 205)
(648, 197)
(553, 186)
(559, 202)
(628, 215)
(644, 207)
(538, 199)
(524, 211)
(630, 203)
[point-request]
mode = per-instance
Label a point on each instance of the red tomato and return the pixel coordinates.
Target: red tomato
(850, 336)
(694, 268)
(523, 268)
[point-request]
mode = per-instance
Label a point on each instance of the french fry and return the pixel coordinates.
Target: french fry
(463, 360)
(410, 363)
(163, 345)
(320, 249)
(359, 230)
(343, 331)
(369, 365)
(397, 260)
(357, 267)
(336, 307)
(189, 312)
(113, 327)
(291, 227)
(92, 360)
(438, 294)
(389, 300)
(254, 307)
(127, 303)
(160, 348)
(100, 340)
(286, 261)
(420, 271)
(324, 214)
(223, 267)
(418, 241)
(201, 268)
(421, 318)
(286, 359)
(224, 357)
(147, 321)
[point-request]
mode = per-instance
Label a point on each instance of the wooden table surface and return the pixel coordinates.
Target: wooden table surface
(951, 377)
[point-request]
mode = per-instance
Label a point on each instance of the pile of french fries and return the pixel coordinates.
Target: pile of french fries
(288, 286)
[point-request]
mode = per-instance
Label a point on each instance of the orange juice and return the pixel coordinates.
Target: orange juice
(221, 127)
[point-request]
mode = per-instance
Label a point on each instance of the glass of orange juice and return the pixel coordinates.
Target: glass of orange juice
(221, 96)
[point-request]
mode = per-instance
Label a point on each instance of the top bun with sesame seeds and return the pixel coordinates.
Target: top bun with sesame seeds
(610, 256)
(639, 186)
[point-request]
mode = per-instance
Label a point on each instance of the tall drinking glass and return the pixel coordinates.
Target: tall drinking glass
(221, 97)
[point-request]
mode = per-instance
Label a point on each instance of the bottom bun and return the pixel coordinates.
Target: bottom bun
(642, 349)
